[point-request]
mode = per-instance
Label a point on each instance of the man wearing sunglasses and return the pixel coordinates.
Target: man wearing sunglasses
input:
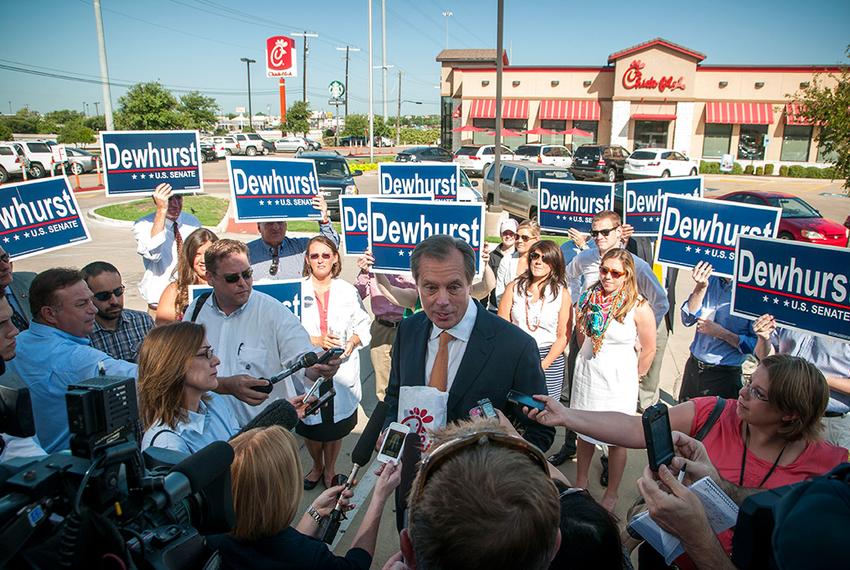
(275, 256)
(119, 332)
(16, 285)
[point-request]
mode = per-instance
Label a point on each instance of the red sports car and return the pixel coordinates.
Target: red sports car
(799, 220)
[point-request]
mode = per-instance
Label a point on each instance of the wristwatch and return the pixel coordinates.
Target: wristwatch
(311, 510)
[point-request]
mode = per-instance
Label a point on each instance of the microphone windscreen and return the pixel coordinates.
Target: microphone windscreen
(362, 453)
(410, 456)
(278, 413)
(204, 467)
(310, 358)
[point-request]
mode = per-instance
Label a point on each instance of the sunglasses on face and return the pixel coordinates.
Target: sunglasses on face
(525, 237)
(508, 234)
(603, 271)
(234, 277)
(106, 295)
(603, 233)
(315, 256)
(534, 256)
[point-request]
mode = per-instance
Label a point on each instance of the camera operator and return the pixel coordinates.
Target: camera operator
(56, 351)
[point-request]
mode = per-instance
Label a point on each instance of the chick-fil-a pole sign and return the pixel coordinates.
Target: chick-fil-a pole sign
(281, 59)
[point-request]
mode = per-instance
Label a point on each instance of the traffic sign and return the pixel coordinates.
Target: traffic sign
(280, 57)
(336, 102)
(336, 89)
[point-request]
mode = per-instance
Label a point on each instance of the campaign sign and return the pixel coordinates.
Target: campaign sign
(40, 216)
(287, 291)
(266, 189)
(136, 162)
(437, 181)
(397, 226)
(699, 229)
(804, 286)
(643, 200)
(354, 215)
(565, 204)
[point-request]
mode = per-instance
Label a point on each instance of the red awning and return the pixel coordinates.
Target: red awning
(732, 113)
(569, 110)
(511, 109)
(654, 116)
(794, 115)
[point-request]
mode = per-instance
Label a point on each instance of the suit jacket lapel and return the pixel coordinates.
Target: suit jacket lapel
(415, 365)
(475, 356)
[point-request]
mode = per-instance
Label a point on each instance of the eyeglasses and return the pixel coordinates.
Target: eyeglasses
(603, 271)
(445, 451)
(508, 234)
(525, 237)
(534, 256)
(604, 233)
(573, 491)
(207, 352)
(754, 391)
(106, 295)
(234, 277)
(315, 256)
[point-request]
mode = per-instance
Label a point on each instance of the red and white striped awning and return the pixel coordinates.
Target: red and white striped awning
(738, 113)
(569, 110)
(794, 115)
(511, 109)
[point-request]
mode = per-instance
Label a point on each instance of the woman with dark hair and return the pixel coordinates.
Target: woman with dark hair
(538, 302)
(190, 270)
(177, 375)
(334, 317)
(612, 319)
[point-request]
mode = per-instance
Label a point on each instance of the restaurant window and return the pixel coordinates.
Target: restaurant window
(751, 142)
(591, 127)
(483, 137)
(796, 142)
(518, 125)
(553, 126)
(716, 141)
(829, 157)
(651, 134)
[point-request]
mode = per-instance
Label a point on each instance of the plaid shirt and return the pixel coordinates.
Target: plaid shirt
(123, 343)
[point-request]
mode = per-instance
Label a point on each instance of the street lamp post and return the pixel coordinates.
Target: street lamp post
(248, 62)
(447, 14)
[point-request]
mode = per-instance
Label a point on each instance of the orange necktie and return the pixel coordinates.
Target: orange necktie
(440, 372)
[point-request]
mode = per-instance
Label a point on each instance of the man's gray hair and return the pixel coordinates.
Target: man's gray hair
(440, 247)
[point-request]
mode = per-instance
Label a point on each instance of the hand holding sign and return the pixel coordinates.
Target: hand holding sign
(701, 272)
(320, 204)
(764, 326)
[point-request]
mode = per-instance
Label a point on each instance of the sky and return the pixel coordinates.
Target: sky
(197, 44)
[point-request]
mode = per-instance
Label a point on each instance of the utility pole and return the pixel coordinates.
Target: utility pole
(305, 35)
(248, 63)
(371, 81)
(447, 14)
(497, 141)
(104, 68)
(398, 113)
(384, 54)
(96, 112)
(347, 50)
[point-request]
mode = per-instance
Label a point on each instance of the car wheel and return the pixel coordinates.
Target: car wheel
(665, 174)
(76, 168)
(203, 160)
(251, 151)
(694, 172)
(489, 201)
(611, 175)
(785, 235)
(299, 150)
(228, 152)
(4, 176)
(37, 170)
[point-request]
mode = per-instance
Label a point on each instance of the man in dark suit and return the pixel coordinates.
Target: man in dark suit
(454, 344)
(16, 286)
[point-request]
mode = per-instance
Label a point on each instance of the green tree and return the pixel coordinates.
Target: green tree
(147, 107)
(5, 131)
(828, 105)
(198, 111)
(64, 117)
(96, 123)
(381, 128)
(356, 126)
(24, 121)
(75, 132)
(297, 119)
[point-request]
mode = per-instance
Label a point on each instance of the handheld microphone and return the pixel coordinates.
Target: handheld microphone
(278, 413)
(306, 360)
(410, 456)
(360, 456)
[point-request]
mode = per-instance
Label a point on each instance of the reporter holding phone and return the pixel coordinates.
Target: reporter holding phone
(334, 317)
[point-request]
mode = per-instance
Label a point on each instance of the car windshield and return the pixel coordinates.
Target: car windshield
(466, 151)
(587, 152)
(527, 150)
(331, 168)
(536, 175)
(794, 208)
(38, 147)
(643, 155)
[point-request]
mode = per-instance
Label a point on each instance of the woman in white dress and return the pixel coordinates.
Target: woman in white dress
(333, 316)
(616, 331)
(538, 302)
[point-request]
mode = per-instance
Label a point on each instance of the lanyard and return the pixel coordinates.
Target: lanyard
(744, 459)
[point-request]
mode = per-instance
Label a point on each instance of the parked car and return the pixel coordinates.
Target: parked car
(552, 154)
(82, 161)
(10, 162)
(208, 152)
(352, 140)
(226, 146)
(314, 145)
(293, 144)
(335, 177)
(517, 187)
(799, 221)
(40, 157)
(253, 144)
(659, 163)
(420, 153)
(477, 159)
(599, 162)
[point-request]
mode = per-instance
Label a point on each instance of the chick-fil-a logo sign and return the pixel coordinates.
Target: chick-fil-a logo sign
(633, 79)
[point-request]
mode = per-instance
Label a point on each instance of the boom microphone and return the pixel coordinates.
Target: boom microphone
(361, 456)
(278, 413)
(208, 472)
(306, 360)
(410, 456)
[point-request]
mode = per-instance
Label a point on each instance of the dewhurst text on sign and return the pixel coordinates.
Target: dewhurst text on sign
(643, 200)
(565, 204)
(265, 189)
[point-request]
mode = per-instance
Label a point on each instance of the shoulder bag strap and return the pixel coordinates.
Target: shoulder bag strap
(202, 298)
(719, 405)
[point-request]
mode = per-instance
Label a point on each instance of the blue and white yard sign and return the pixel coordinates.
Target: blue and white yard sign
(700, 229)
(287, 291)
(437, 181)
(643, 199)
(397, 226)
(565, 204)
(354, 215)
(804, 286)
(40, 216)
(136, 162)
(267, 189)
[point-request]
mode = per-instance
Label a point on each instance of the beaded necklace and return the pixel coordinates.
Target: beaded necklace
(596, 310)
(537, 317)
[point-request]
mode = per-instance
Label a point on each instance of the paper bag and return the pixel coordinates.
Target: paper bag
(423, 410)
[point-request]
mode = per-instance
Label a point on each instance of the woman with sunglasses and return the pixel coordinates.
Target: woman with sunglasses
(527, 234)
(538, 302)
(177, 375)
(190, 270)
(611, 320)
(334, 317)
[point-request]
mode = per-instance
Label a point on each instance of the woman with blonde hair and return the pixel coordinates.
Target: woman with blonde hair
(177, 376)
(190, 270)
(266, 482)
(611, 321)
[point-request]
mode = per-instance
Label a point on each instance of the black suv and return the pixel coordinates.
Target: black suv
(599, 162)
(420, 153)
(335, 177)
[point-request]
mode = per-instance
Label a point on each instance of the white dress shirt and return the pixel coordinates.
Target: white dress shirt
(457, 347)
(506, 274)
(159, 252)
(258, 339)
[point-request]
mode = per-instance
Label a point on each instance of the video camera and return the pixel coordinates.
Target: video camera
(106, 498)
